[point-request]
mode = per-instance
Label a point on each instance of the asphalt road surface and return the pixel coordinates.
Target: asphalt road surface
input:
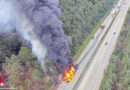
(87, 56)
(93, 76)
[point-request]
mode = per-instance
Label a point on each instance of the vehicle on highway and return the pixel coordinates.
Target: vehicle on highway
(113, 12)
(114, 33)
(102, 26)
(118, 6)
(93, 37)
(69, 72)
(106, 43)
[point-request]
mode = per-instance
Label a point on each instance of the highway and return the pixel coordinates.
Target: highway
(87, 57)
(94, 75)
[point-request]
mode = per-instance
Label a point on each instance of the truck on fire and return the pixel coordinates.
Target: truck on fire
(102, 26)
(69, 72)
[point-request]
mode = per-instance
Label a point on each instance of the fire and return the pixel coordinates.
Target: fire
(69, 73)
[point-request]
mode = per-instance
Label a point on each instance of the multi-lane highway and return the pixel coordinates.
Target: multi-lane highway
(81, 78)
(94, 74)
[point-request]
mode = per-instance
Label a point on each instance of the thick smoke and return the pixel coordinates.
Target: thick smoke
(11, 18)
(37, 21)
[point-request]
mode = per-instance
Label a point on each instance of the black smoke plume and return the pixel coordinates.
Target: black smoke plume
(37, 21)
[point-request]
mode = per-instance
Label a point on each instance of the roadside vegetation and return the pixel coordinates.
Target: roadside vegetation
(23, 72)
(20, 68)
(117, 75)
(80, 17)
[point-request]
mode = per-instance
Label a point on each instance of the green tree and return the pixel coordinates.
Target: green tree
(23, 71)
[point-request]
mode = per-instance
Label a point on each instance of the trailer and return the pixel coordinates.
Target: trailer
(102, 26)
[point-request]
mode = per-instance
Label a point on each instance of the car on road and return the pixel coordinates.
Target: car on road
(106, 43)
(102, 26)
(114, 12)
(114, 33)
(93, 37)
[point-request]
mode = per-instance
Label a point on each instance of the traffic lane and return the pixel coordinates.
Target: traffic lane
(99, 32)
(90, 50)
(109, 19)
(90, 71)
(107, 53)
(85, 61)
(108, 48)
(79, 71)
(70, 85)
(92, 42)
(106, 22)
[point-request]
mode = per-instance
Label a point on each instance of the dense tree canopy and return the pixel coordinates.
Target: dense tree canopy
(79, 17)
(24, 72)
(9, 45)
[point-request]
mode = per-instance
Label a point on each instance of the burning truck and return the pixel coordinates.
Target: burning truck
(69, 72)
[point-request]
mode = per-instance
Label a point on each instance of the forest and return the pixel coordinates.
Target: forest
(20, 68)
(117, 75)
(80, 17)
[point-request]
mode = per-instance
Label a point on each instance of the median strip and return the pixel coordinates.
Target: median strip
(94, 53)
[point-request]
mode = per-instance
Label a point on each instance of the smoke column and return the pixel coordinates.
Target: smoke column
(11, 19)
(37, 21)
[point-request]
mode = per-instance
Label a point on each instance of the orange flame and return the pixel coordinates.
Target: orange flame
(69, 73)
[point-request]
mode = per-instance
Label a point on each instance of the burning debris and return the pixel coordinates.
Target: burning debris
(37, 22)
(69, 73)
